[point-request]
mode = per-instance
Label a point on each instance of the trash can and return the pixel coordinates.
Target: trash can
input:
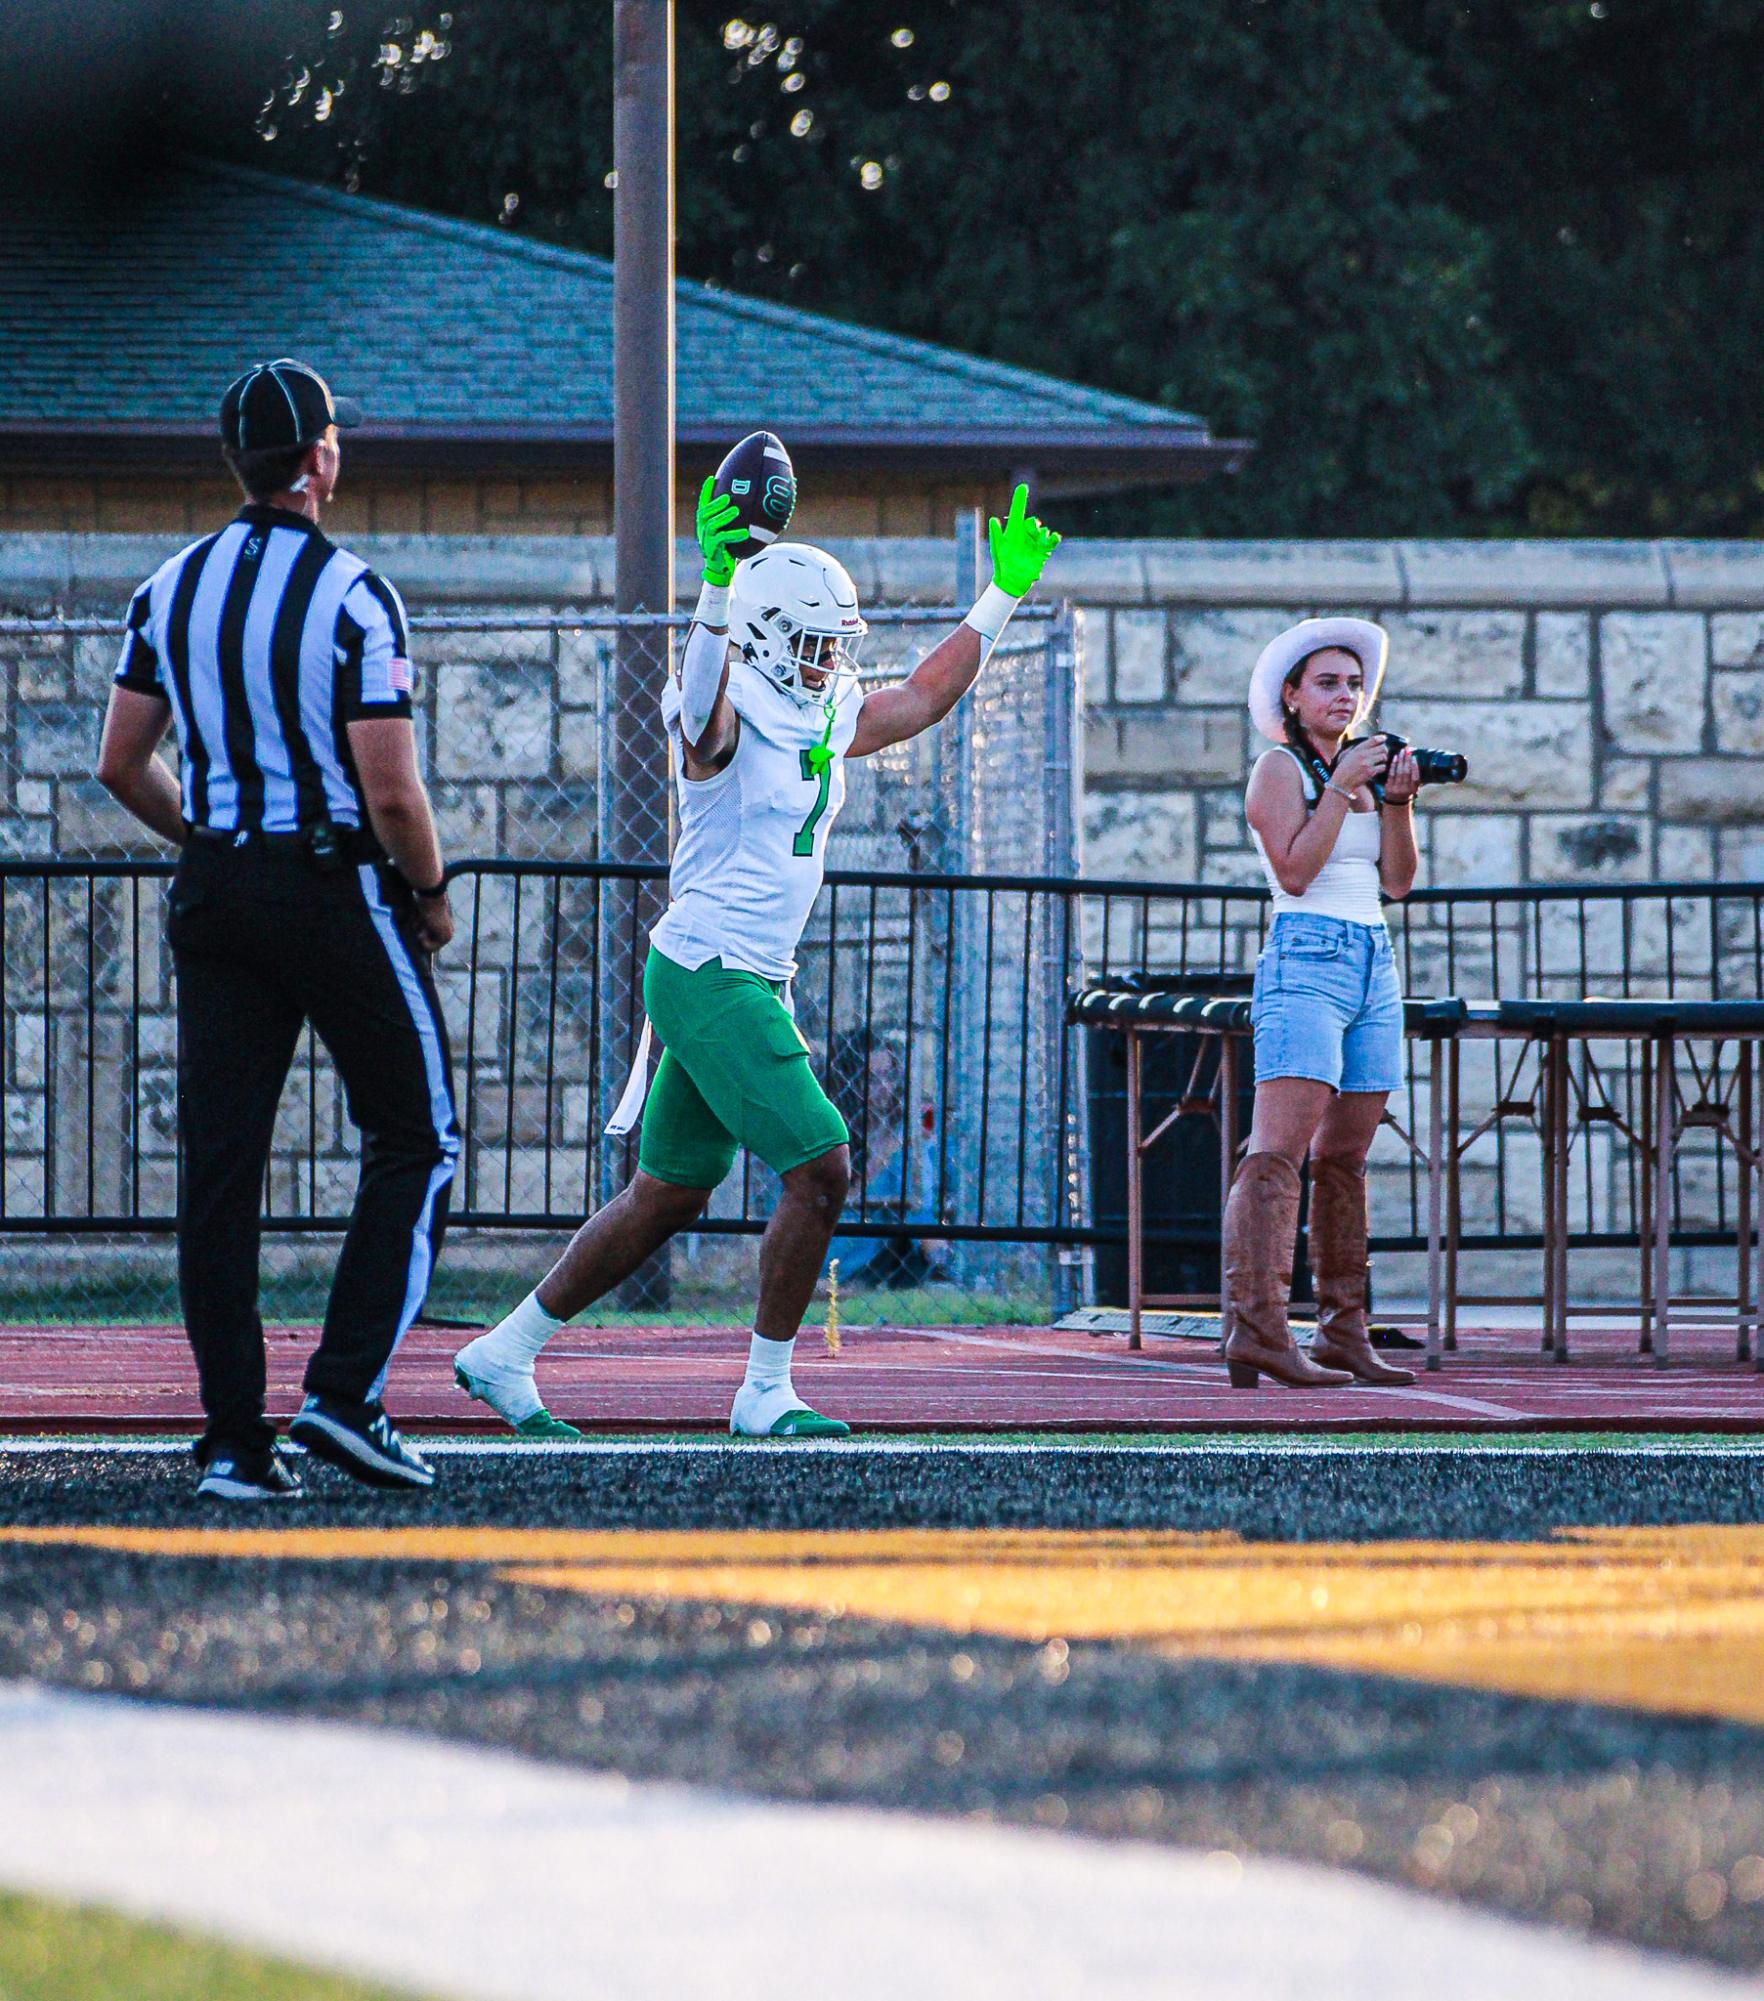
(1182, 1217)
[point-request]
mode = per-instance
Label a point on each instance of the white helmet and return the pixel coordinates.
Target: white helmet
(793, 606)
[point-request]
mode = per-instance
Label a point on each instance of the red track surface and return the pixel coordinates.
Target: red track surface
(135, 1379)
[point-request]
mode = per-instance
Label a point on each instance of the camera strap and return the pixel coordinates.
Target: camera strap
(1322, 773)
(1316, 770)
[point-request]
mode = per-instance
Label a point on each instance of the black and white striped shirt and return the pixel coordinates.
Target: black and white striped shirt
(267, 639)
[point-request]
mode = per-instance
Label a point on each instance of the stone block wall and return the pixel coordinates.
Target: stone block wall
(1611, 702)
(1610, 695)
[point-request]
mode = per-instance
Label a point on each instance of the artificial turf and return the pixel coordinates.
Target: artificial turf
(1631, 1823)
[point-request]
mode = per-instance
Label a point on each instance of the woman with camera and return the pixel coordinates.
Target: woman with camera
(1332, 821)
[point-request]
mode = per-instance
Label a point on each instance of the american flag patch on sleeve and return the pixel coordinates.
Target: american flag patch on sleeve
(401, 675)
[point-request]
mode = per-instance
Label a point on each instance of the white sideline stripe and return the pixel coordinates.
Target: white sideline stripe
(1416, 1394)
(1179, 1446)
(475, 1873)
(1131, 1365)
(1139, 1365)
(1106, 1378)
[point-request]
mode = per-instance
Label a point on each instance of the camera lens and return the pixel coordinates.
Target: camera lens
(1441, 767)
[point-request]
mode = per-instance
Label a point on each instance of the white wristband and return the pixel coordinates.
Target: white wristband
(713, 605)
(992, 612)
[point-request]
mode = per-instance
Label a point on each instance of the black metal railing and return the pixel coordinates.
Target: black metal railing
(934, 1005)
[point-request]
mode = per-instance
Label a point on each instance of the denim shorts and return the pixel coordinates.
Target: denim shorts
(1327, 1004)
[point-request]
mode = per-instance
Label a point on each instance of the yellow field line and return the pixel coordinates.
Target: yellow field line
(1657, 1618)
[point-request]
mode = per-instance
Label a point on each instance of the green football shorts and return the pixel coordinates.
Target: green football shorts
(734, 1072)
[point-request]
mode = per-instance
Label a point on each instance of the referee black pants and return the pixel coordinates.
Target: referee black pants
(263, 944)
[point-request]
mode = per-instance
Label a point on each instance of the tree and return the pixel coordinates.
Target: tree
(1216, 211)
(1612, 153)
(1456, 267)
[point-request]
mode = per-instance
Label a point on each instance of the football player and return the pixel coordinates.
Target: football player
(762, 717)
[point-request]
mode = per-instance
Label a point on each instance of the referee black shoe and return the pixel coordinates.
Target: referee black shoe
(358, 1439)
(249, 1476)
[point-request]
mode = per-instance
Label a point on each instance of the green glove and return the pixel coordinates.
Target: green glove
(1020, 547)
(717, 528)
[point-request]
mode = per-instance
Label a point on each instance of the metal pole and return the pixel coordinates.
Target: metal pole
(1755, 1137)
(1454, 1191)
(970, 544)
(1230, 1053)
(1435, 1194)
(1746, 1178)
(1135, 1196)
(1546, 1098)
(1665, 1152)
(643, 404)
(1559, 1197)
(1645, 1222)
(635, 780)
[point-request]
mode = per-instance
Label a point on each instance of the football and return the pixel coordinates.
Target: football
(758, 476)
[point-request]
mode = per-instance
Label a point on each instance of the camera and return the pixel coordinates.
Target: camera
(1436, 767)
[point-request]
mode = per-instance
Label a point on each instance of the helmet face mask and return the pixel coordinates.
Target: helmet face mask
(793, 614)
(823, 654)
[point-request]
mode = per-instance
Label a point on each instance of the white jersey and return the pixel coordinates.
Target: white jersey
(753, 840)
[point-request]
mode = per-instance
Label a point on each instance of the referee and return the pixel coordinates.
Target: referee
(309, 890)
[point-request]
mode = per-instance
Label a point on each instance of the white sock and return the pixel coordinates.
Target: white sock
(768, 1363)
(516, 1341)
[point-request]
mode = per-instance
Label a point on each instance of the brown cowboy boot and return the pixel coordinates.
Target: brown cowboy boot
(1261, 1226)
(1338, 1264)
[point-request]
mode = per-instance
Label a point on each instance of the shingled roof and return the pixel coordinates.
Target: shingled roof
(118, 331)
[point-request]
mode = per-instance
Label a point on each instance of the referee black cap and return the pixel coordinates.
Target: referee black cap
(280, 404)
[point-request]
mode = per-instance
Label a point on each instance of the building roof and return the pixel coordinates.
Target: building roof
(126, 326)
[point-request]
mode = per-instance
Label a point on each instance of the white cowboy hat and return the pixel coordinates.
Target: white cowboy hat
(1368, 643)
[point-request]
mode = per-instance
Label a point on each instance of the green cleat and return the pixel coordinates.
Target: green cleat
(770, 1410)
(543, 1425)
(505, 1393)
(806, 1423)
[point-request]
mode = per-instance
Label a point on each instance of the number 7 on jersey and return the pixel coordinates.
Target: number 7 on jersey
(804, 843)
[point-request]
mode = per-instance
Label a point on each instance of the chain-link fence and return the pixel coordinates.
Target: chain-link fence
(933, 1009)
(539, 737)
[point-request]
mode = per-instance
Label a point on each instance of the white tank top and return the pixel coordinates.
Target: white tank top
(1346, 886)
(753, 840)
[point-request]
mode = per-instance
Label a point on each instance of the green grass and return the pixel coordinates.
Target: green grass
(299, 1300)
(65, 1952)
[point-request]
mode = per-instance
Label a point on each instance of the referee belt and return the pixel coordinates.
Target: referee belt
(352, 844)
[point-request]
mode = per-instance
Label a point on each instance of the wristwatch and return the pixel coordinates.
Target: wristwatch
(429, 895)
